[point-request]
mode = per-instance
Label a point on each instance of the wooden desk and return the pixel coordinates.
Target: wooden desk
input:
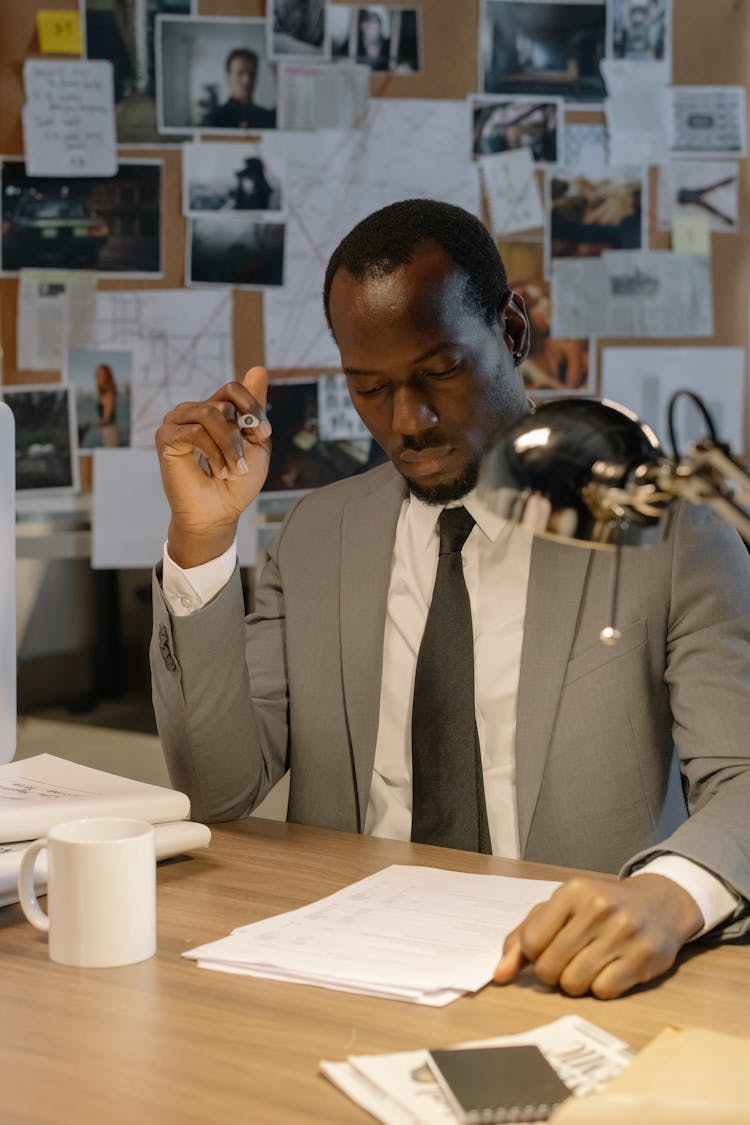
(164, 1042)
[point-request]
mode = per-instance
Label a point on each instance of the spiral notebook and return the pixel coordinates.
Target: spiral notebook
(488, 1085)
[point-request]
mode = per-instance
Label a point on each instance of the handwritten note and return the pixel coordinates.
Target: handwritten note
(511, 189)
(68, 119)
(59, 33)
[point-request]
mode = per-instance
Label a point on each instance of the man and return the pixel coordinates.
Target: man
(240, 111)
(573, 740)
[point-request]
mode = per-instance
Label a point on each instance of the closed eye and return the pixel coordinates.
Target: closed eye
(442, 374)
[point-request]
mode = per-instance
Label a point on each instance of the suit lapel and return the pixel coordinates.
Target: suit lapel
(367, 536)
(556, 582)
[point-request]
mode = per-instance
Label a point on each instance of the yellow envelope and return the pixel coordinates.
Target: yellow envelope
(682, 1077)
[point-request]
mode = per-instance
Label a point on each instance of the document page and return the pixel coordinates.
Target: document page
(412, 932)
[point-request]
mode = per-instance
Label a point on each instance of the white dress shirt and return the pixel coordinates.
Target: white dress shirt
(496, 558)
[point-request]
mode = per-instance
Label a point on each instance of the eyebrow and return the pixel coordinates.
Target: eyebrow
(418, 359)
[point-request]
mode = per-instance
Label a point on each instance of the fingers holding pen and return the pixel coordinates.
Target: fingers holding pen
(223, 429)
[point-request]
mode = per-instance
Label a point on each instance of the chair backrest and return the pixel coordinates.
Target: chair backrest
(7, 585)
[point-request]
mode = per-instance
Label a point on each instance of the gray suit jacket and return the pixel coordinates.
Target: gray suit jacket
(296, 686)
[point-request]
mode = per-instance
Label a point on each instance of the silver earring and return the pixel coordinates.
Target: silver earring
(518, 356)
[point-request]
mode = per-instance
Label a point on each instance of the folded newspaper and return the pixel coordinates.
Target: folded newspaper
(38, 792)
(401, 1089)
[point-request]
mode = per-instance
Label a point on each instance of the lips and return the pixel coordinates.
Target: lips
(425, 462)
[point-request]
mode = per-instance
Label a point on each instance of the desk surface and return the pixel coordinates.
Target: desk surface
(167, 1043)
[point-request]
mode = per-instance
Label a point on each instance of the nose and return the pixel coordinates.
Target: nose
(412, 413)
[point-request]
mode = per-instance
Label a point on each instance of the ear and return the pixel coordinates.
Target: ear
(514, 323)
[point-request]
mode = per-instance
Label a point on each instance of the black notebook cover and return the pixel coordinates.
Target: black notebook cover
(498, 1084)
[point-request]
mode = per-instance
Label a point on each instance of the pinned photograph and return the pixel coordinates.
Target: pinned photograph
(231, 177)
(233, 251)
(639, 30)
(45, 438)
(590, 215)
(543, 47)
(101, 379)
(703, 188)
(213, 74)
(500, 124)
(301, 458)
(297, 29)
(380, 37)
(340, 31)
(111, 225)
(124, 34)
(552, 364)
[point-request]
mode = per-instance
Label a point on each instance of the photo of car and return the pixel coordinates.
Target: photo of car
(107, 224)
(47, 230)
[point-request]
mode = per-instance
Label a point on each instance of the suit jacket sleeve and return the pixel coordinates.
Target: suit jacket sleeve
(224, 729)
(708, 677)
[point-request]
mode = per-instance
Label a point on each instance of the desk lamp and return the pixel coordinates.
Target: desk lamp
(590, 472)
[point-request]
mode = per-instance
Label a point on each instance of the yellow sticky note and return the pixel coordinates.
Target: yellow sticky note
(59, 33)
(691, 234)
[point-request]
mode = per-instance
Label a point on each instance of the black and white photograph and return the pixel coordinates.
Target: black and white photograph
(213, 74)
(588, 215)
(383, 38)
(297, 30)
(124, 34)
(639, 30)
(45, 437)
(108, 224)
(300, 459)
(229, 250)
(500, 124)
(230, 177)
(101, 379)
(549, 48)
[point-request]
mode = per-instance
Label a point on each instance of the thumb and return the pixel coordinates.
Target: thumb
(512, 960)
(256, 381)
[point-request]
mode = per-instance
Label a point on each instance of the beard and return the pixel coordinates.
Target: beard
(450, 490)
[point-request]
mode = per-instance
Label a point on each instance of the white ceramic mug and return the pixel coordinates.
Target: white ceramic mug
(101, 891)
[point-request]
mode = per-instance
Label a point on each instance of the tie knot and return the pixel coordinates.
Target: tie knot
(455, 525)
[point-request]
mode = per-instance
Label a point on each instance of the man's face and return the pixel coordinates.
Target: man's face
(241, 79)
(431, 380)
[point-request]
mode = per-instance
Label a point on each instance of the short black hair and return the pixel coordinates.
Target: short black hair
(241, 53)
(390, 238)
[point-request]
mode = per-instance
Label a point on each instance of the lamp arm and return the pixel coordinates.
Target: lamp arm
(708, 474)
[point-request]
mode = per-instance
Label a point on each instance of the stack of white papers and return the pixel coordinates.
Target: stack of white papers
(401, 1089)
(405, 933)
(37, 793)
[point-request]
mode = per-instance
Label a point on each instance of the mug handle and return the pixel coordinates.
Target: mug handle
(26, 893)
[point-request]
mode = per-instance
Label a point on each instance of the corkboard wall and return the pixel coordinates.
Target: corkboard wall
(711, 46)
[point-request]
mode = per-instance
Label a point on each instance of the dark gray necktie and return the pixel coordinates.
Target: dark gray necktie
(448, 805)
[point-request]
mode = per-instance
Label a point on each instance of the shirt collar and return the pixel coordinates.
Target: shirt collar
(424, 517)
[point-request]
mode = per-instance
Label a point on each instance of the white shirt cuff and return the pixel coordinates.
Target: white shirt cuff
(187, 591)
(714, 900)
